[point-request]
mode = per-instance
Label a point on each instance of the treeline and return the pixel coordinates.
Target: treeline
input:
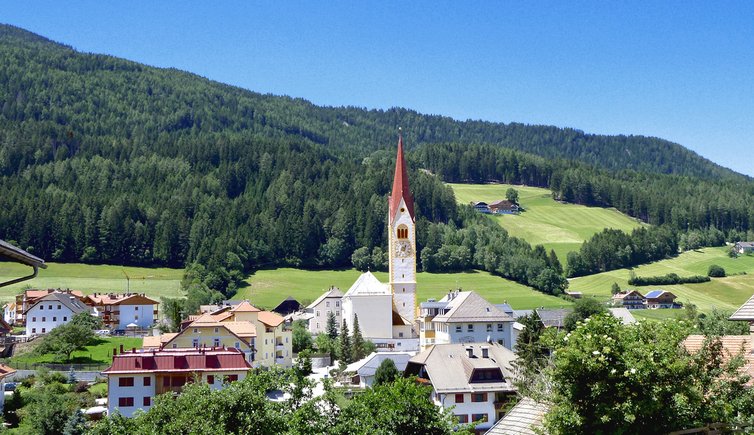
(681, 202)
(668, 279)
(614, 249)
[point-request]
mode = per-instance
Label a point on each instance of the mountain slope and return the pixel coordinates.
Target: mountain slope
(84, 100)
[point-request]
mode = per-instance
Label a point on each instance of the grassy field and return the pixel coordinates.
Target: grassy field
(722, 293)
(267, 288)
(558, 226)
(99, 353)
(154, 282)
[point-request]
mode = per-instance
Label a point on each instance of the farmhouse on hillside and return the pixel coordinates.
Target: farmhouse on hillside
(632, 300)
(481, 207)
(744, 247)
(503, 206)
(121, 311)
(661, 299)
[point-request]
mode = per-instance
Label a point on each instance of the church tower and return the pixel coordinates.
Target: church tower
(402, 241)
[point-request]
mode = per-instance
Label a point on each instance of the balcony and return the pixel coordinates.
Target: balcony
(279, 346)
(279, 360)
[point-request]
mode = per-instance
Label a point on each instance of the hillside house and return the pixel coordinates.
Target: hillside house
(320, 309)
(744, 247)
(121, 311)
(481, 207)
(632, 300)
(661, 299)
(51, 311)
(474, 379)
(25, 300)
(136, 377)
(503, 206)
(464, 317)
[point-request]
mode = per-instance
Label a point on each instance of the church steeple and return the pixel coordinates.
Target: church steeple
(400, 184)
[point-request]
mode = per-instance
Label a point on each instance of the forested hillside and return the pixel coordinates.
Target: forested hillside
(107, 160)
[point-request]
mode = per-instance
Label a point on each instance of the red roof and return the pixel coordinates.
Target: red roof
(400, 184)
(179, 360)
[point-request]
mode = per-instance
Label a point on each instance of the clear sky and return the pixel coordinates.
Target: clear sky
(680, 70)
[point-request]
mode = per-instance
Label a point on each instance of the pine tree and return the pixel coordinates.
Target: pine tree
(332, 326)
(345, 351)
(386, 372)
(358, 340)
(76, 424)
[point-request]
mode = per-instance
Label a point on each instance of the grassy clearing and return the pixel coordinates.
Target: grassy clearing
(267, 288)
(558, 226)
(100, 352)
(662, 314)
(722, 293)
(154, 282)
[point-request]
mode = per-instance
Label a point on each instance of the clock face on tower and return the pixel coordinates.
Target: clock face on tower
(403, 249)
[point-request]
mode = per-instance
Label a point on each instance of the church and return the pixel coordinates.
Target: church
(387, 311)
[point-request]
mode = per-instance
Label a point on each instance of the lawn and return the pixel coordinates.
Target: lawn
(267, 288)
(99, 353)
(155, 282)
(722, 293)
(558, 226)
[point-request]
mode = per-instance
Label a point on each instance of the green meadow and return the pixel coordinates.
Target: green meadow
(558, 226)
(267, 288)
(155, 282)
(723, 293)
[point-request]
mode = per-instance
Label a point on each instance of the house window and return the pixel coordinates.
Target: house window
(147, 401)
(54, 319)
(44, 330)
(195, 342)
(337, 314)
(49, 307)
(210, 379)
(459, 328)
(337, 303)
(44, 319)
(499, 327)
(65, 319)
(459, 398)
(462, 418)
(175, 345)
(196, 330)
(33, 319)
(232, 378)
(136, 308)
(217, 330)
(136, 317)
(147, 381)
(216, 342)
(238, 345)
(126, 382)
(125, 402)
(400, 335)
(58, 306)
(317, 313)
(33, 330)
(470, 328)
(327, 304)
(478, 417)
(41, 307)
(489, 327)
(479, 397)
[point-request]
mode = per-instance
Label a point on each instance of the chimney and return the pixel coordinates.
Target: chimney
(470, 351)
(485, 352)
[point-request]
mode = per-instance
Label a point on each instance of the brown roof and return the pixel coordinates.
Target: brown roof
(733, 345)
(121, 299)
(245, 307)
(156, 341)
(241, 329)
(270, 319)
(6, 371)
(400, 185)
(179, 360)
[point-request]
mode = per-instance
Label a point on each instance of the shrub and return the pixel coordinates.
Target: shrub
(716, 271)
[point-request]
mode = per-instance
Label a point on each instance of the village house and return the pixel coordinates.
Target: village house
(53, 310)
(122, 311)
(136, 377)
(744, 247)
(632, 300)
(27, 298)
(503, 206)
(661, 299)
(9, 313)
(464, 317)
(475, 380)
(481, 207)
(320, 309)
(288, 306)
(364, 370)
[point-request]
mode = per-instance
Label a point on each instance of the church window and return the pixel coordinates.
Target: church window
(403, 232)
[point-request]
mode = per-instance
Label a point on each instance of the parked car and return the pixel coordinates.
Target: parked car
(119, 332)
(10, 386)
(102, 332)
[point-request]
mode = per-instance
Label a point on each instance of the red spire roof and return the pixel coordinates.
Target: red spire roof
(400, 185)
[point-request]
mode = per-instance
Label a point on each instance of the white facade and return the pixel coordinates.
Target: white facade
(142, 315)
(321, 308)
(9, 313)
(470, 407)
(375, 314)
(47, 315)
(475, 332)
(402, 254)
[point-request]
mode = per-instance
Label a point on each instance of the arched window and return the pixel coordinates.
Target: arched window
(403, 232)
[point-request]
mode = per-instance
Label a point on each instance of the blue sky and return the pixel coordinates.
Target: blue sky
(680, 70)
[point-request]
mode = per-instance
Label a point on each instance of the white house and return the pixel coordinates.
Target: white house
(9, 313)
(51, 311)
(464, 317)
(136, 377)
(474, 379)
(365, 369)
(320, 309)
(118, 311)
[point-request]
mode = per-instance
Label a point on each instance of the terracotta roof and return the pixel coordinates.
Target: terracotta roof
(6, 371)
(71, 302)
(733, 345)
(523, 419)
(745, 312)
(179, 360)
(270, 319)
(121, 299)
(20, 256)
(156, 341)
(245, 307)
(400, 184)
(36, 294)
(241, 329)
